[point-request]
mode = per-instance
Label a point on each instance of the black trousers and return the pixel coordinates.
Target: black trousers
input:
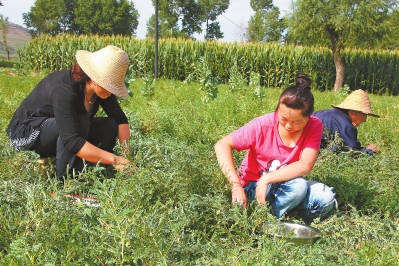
(101, 132)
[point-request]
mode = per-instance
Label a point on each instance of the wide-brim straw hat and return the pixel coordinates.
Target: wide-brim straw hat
(358, 100)
(107, 67)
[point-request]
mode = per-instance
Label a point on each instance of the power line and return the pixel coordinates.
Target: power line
(231, 21)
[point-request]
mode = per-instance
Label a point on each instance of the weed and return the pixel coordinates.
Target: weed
(254, 82)
(148, 89)
(209, 83)
(236, 81)
(173, 206)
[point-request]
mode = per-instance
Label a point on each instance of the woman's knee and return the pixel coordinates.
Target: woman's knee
(319, 201)
(104, 126)
(103, 133)
(111, 125)
(287, 195)
(320, 195)
(297, 187)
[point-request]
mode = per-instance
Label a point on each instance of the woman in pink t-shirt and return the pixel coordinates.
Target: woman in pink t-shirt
(281, 147)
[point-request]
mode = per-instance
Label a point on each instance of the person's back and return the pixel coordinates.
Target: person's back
(343, 120)
(337, 121)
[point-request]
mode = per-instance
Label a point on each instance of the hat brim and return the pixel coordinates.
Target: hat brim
(370, 114)
(91, 68)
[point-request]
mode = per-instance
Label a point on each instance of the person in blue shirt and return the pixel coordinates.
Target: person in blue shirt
(344, 120)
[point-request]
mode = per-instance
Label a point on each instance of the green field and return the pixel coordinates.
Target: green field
(172, 207)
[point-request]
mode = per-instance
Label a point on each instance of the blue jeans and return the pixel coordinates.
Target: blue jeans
(309, 198)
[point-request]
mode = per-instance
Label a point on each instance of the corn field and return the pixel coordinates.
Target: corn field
(277, 65)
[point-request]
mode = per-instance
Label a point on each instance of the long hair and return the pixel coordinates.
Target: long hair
(298, 96)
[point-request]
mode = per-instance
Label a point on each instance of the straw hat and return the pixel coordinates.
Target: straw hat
(358, 100)
(107, 67)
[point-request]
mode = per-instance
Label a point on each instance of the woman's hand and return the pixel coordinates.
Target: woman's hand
(238, 194)
(224, 153)
(261, 190)
(120, 163)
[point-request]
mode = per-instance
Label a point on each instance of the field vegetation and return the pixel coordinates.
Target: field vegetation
(373, 70)
(172, 207)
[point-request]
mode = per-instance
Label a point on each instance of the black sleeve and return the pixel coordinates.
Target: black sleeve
(112, 108)
(65, 103)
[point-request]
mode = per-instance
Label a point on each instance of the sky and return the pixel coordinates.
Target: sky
(236, 16)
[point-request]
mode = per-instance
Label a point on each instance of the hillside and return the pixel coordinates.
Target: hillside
(17, 37)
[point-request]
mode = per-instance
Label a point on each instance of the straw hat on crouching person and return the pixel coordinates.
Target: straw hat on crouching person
(358, 101)
(344, 119)
(106, 67)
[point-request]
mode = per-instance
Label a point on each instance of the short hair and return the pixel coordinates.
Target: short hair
(298, 96)
(78, 74)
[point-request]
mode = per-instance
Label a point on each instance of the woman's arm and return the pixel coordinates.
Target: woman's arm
(299, 168)
(224, 153)
(93, 154)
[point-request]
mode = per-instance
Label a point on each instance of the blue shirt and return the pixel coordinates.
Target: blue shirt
(337, 120)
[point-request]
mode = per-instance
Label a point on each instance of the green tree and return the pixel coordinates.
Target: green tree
(390, 40)
(103, 17)
(67, 20)
(265, 25)
(189, 15)
(337, 23)
(213, 31)
(210, 11)
(106, 17)
(44, 17)
(4, 31)
(164, 30)
(183, 12)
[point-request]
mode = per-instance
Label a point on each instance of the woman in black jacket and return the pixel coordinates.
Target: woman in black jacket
(57, 119)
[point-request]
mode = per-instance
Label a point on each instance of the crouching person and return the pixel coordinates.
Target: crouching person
(57, 119)
(282, 147)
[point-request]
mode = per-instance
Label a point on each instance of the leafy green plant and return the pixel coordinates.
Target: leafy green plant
(344, 91)
(209, 83)
(149, 84)
(236, 81)
(254, 82)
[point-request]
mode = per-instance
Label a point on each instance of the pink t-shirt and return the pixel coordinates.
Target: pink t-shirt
(266, 151)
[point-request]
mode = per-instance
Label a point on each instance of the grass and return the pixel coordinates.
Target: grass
(173, 206)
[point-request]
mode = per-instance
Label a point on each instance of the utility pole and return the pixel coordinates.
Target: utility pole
(156, 40)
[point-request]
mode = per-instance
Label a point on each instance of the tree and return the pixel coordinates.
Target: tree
(213, 31)
(104, 17)
(210, 11)
(181, 12)
(265, 25)
(164, 30)
(4, 31)
(390, 40)
(44, 17)
(67, 20)
(188, 16)
(334, 22)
